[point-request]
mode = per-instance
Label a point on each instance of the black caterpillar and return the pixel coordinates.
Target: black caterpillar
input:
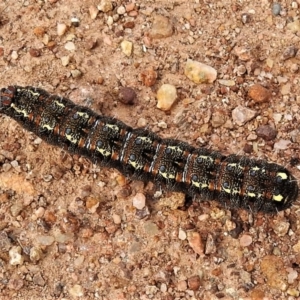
(234, 181)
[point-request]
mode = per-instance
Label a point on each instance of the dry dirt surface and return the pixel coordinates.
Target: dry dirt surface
(70, 229)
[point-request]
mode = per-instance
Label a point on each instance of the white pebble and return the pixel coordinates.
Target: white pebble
(93, 10)
(139, 201)
(166, 96)
(65, 60)
(105, 6)
(121, 10)
(126, 47)
(15, 256)
(76, 290)
(117, 219)
(70, 46)
(199, 72)
(14, 55)
(61, 29)
(182, 234)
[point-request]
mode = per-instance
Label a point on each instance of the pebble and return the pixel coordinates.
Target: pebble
(289, 52)
(34, 52)
(76, 290)
(15, 283)
(242, 115)
(245, 240)
(292, 275)
(39, 31)
(194, 283)
(70, 46)
(281, 228)
(166, 96)
(38, 279)
(126, 47)
(218, 119)
(45, 240)
(281, 144)
(276, 8)
(199, 72)
(182, 234)
(35, 254)
(65, 60)
(285, 89)
(139, 201)
(14, 55)
(161, 27)
(93, 10)
(61, 29)
(142, 122)
(266, 132)
(16, 208)
(296, 247)
(117, 219)
(182, 285)
(76, 73)
(243, 53)
(227, 82)
(258, 93)
(15, 256)
(121, 10)
(75, 21)
(105, 6)
(210, 246)
(195, 242)
(151, 228)
(294, 26)
(148, 77)
(127, 95)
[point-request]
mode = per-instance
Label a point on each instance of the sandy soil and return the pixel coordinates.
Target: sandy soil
(69, 228)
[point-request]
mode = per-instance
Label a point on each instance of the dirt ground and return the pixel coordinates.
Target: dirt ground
(70, 229)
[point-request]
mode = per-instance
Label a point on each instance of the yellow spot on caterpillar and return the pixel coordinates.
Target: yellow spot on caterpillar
(228, 191)
(49, 127)
(135, 164)
(282, 175)
(167, 175)
(144, 139)
(251, 195)
(277, 198)
(71, 138)
(104, 152)
(113, 127)
(21, 111)
(59, 104)
(83, 114)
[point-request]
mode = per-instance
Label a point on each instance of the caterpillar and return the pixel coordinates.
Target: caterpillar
(234, 181)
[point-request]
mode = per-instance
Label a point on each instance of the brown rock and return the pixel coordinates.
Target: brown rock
(194, 282)
(266, 132)
(148, 77)
(259, 93)
(127, 95)
(161, 27)
(195, 242)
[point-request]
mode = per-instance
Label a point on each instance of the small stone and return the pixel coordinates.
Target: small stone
(292, 275)
(15, 256)
(289, 52)
(182, 285)
(61, 29)
(93, 10)
(266, 132)
(14, 55)
(126, 47)
(151, 228)
(105, 6)
(194, 283)
(210, 246)
(296, 247)
(148, 77)
(285, 89)
(182, 234)
(139, 201)
(281, 144)
(92, 203)
(242, 115)
(70, 46)
(39, 31)
(35, 254)
(76, 290)
(166, 96)
(16, 208)
(127, 95)
(293, 292)
(38, 279)
(161, 27)
(45, 240)
(195, 242)
(34, 52)
(245, 18)
(15, 283)
(294, 26)
(227, 82)
(117, 219)
(218, 119)
(243, 53)
(259, 93)
(276, 8)
(76, 73)
(245, 240)
(142, 122)
(199, 72)
(65, 60)
(281, 228)
(75, 21)
(121, 10)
